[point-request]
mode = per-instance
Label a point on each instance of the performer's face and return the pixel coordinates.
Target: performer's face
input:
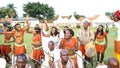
(53, 30)
(64, 56)
(85, 25)
(65, 28)
(67, 34)
(34, 32)
(18, 27)
(51, 46)
(7, 29)
(100, 28)
(20, 63)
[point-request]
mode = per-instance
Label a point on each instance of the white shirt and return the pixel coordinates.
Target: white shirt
(55, 54)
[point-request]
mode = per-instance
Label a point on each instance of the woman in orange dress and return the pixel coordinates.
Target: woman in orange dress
(19, 47)
(100, 43)
(71, 44)
(37, 51)
(5, 47)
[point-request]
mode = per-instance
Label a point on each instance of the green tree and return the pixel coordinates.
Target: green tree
(2, 12)
(39, 10)
(11, 10)
(77, 16)
(8, 10)
(109, 14)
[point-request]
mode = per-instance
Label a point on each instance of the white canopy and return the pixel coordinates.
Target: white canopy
(73, 20)
(86, 19)
(65, 20)
(59, 20)
(102, 20)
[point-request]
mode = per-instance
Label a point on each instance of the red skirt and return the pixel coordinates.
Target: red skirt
(5, 49)
(37, 54)
(19, 50)
(82, 49)
(100, 48)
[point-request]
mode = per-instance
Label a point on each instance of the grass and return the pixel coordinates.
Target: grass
(108, 53)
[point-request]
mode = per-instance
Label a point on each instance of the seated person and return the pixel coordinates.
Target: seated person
(21, 62)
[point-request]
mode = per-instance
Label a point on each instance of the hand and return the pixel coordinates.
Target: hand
(27, 17)
(29, 24)
(105, 46)
(50, 62)
(67, 48)
(44, 21)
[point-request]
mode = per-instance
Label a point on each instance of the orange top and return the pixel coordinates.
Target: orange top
(101, 36)
(100, 39)
(69, 45)
(72, 44)
(36, 38)
(19, 36)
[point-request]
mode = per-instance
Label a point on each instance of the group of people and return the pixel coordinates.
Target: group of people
(61, 51)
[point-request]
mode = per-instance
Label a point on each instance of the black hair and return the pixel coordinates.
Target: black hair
(16, 25)
(71, 31)
(64, 29)
(10, 28)
(22, 56)
(56, 31)
(101, 32)
(51, 42)
(38, 30)
(63, 51)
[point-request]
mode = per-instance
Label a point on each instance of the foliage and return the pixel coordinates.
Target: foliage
(39, 10)
(109, 14)
(9, 10)
(2, 12)
(77, 16)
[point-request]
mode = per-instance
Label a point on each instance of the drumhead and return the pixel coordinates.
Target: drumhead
(90, 49)
(90, 52)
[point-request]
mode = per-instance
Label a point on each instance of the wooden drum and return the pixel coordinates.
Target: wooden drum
(90, 50)
(117, 49)
(117, 46)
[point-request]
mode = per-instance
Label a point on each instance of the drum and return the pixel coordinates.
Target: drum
(90, 50)
(117, 46)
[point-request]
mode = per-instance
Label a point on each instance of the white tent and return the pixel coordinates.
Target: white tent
(102, 20)
(73, 20)
(65, 20)
(86, 19)
(59, 20)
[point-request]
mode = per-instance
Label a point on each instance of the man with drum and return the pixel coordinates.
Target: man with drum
(85, 36)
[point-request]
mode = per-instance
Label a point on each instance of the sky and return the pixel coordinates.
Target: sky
(68, 7)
